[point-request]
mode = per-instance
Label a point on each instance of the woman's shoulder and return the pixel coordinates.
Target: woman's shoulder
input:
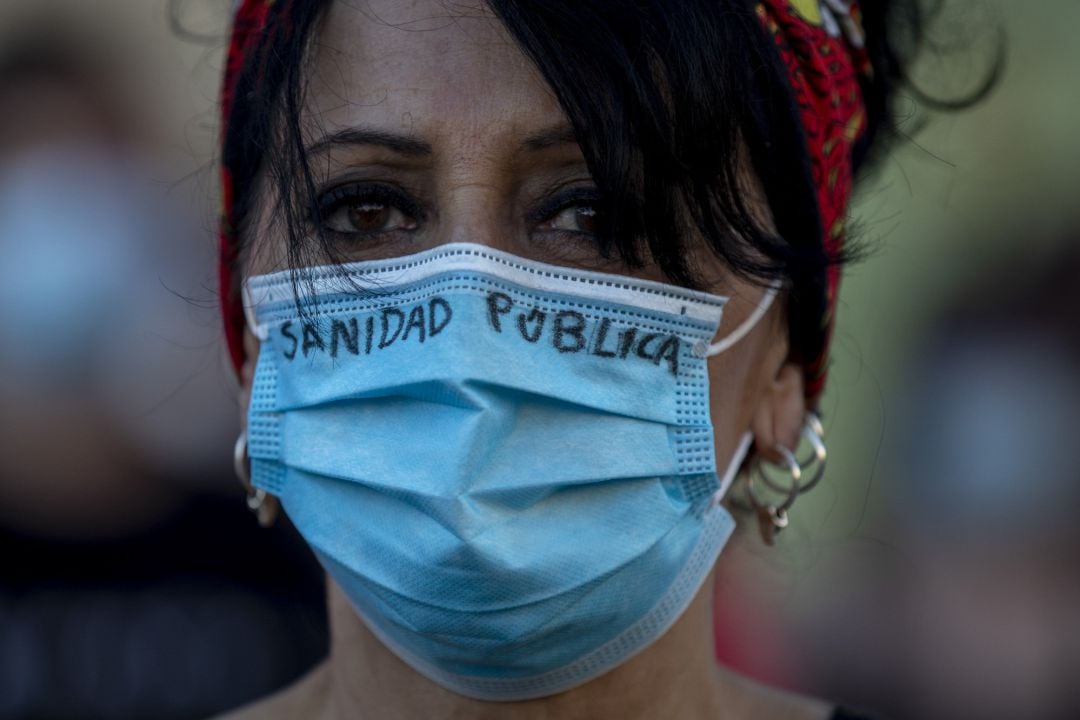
(303, 698)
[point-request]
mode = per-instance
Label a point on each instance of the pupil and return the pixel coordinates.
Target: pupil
(367, 216)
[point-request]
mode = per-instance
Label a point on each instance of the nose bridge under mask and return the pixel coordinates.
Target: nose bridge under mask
(475, 213)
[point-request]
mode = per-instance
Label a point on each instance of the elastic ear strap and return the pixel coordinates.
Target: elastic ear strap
(733, 467)
(748, 324)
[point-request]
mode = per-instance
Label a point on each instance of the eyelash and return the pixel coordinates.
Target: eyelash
(357, 193)
(333, 200)
(575, 197)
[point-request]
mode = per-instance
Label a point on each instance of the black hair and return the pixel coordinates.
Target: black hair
(671, 101)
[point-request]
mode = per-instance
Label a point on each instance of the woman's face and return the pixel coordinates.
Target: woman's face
(428, 125)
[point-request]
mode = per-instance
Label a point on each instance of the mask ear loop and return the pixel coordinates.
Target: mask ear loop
(733, 467)
(703, 349)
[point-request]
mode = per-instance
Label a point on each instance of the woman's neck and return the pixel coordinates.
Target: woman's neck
(675, 677)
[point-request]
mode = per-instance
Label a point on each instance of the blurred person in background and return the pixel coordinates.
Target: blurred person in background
(130, 586)
(987, 487)
(966, 606)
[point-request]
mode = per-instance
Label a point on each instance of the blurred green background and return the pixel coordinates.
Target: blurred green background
(972, 192)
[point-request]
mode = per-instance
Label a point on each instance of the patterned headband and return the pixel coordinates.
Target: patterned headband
(821, 44)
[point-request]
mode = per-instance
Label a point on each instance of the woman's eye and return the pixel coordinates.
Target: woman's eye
(356, 211)
(368, 217)
(579, 218)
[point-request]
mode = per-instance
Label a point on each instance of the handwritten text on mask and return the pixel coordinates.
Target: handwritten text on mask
(567, 331)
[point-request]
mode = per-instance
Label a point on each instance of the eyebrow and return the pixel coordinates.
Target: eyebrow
(408, 145)
(557, 135)
(413, 146)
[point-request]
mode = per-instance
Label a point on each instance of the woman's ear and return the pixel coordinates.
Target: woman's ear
(781, 411)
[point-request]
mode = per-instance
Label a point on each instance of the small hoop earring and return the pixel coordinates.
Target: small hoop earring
(814, 433)
(262, 504)
(774, 517)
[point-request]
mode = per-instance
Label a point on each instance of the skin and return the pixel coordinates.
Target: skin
(449, 76)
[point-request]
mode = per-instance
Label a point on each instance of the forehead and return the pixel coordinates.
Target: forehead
(427, 67)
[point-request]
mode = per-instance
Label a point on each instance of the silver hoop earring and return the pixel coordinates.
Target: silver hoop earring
(263, 505)
(814, 433)
(774, 517)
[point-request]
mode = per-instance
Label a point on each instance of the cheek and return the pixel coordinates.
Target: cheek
(738, 380)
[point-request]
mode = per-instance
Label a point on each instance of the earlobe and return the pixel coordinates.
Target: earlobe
(781, 411)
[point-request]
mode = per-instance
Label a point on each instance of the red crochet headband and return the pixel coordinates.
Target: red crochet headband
(821, 44)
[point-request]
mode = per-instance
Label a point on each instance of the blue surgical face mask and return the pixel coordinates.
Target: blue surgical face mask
(506, 466)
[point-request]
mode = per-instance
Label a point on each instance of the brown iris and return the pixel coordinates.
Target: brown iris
(368, 216)
(586, 219)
